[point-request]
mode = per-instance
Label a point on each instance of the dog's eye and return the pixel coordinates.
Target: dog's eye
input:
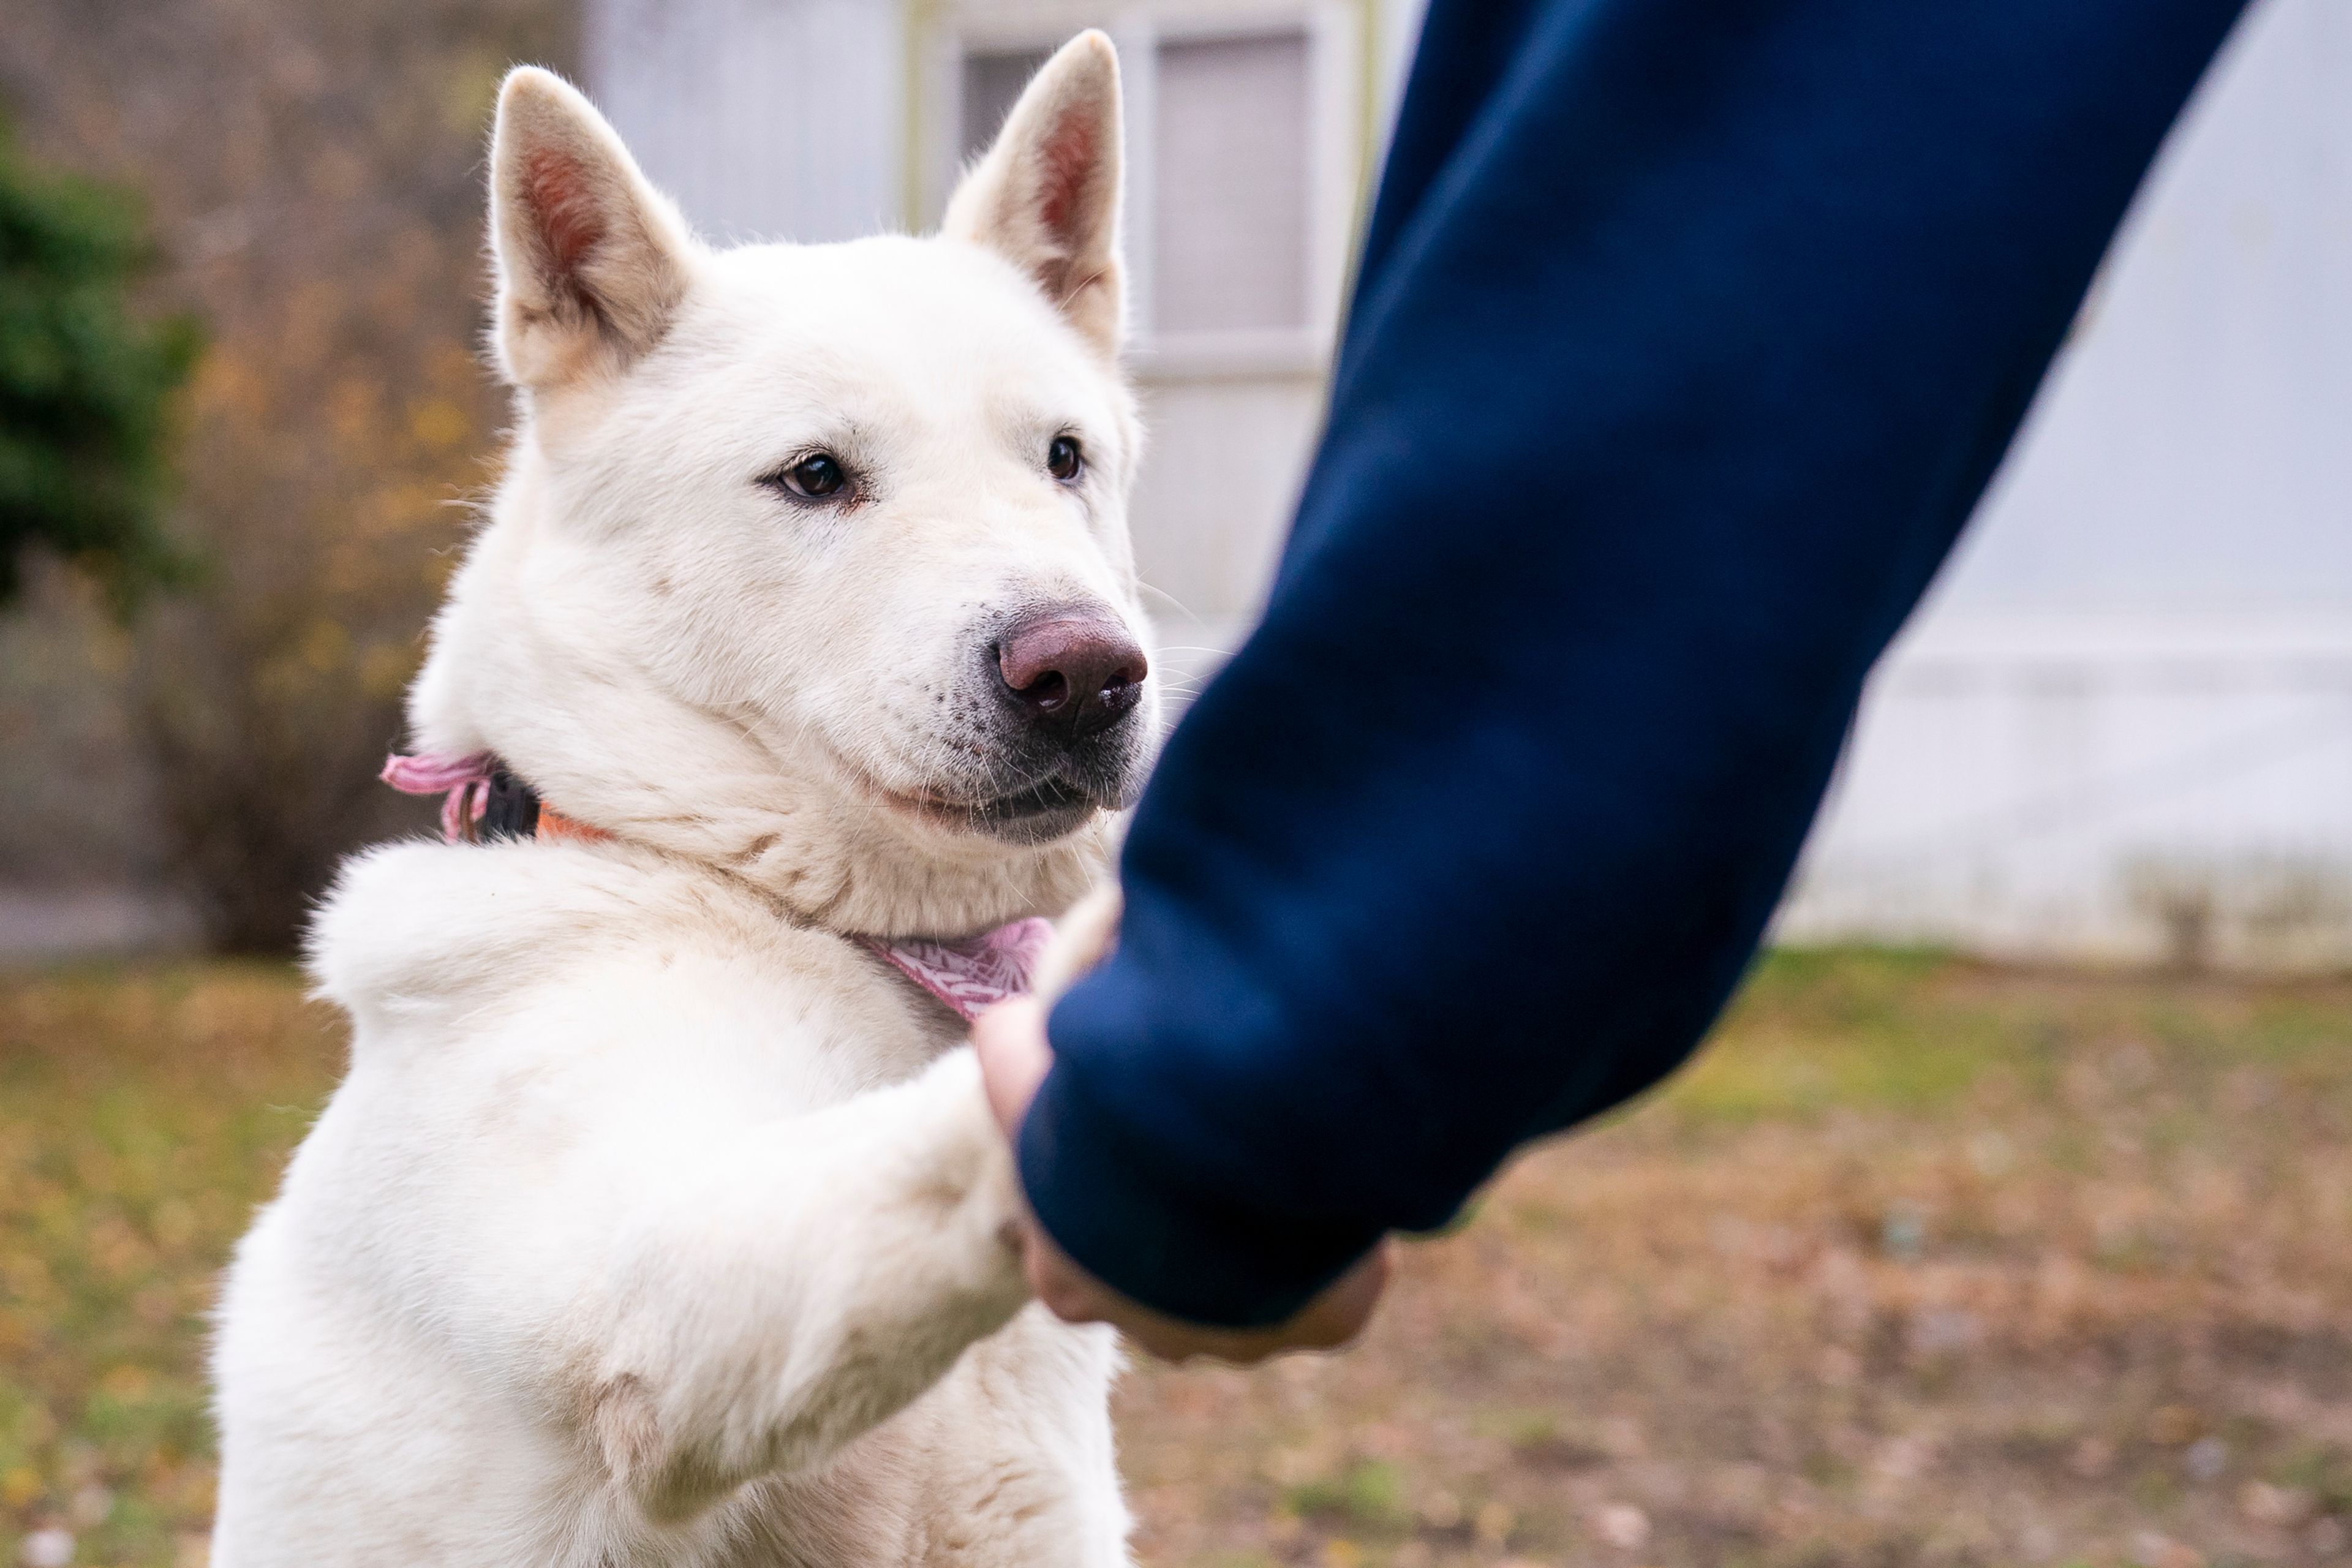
(1063, 459)
(817, 476)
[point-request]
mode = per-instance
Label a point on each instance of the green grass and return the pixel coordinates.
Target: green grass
(1368, 1497)
(1916, 1031)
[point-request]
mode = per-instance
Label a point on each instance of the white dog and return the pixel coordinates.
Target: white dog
(660, 1218)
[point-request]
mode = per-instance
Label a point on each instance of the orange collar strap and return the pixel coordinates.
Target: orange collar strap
(481, 800)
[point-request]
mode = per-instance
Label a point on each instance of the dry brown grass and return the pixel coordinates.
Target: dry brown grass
(1924, 1263)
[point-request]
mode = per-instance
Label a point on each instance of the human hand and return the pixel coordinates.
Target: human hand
(1010, 1039)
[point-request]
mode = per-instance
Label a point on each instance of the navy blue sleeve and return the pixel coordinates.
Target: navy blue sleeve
(1688, 334)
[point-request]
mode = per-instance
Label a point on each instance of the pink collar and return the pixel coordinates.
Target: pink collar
(463, 782)
(968, 973)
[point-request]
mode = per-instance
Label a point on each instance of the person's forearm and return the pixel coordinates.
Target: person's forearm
(1690, 334)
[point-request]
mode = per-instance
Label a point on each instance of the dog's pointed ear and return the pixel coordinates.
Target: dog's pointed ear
(592, 260)
(1047, 196)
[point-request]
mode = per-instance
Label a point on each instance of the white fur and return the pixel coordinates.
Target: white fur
(657, 1221)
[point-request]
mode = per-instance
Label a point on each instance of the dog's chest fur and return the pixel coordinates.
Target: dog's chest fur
(541, 1035)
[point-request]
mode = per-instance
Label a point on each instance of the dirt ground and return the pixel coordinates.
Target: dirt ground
(1922, 1263)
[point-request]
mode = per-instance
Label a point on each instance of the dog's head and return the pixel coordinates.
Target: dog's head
(813, 560)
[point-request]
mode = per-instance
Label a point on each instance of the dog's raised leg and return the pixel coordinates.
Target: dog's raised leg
(805, 1282)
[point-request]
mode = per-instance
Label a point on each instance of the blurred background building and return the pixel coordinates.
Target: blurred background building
(2122, 726)
(304, 180)
(2122, 729)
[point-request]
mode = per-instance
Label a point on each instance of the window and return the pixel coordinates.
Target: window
(1243, 148)
(1230, 228)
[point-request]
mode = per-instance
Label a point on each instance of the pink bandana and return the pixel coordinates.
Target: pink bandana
(969, 973)
(975, 974)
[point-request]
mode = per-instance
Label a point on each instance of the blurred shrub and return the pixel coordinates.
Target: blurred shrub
(84, 386)
(313, 167)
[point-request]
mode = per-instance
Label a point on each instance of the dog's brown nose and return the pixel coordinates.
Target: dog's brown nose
(1073, 671)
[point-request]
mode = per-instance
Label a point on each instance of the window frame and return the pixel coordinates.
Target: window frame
(1338, 37)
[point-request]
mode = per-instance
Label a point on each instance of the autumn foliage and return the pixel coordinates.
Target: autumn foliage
(311, 170)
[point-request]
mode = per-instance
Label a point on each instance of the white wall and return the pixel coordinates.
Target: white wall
(2122, 727)
(766, 119)
(2098, 787)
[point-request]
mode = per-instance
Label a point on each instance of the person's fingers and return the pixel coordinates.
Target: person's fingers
(1332, 1318)
(1009, 1040)
(1068, 1292)
(1346, 1306)
(1336, 1316)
